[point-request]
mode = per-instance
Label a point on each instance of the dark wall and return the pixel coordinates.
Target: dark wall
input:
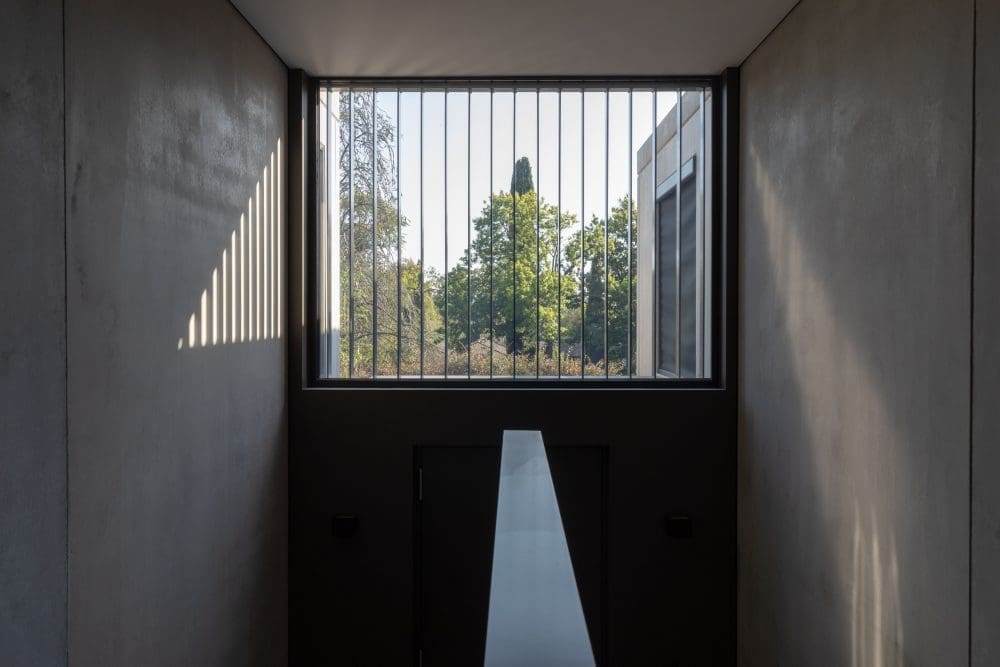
(986, 345)
(177, 463)
(855, 337)
(352, 451)
(32, 337)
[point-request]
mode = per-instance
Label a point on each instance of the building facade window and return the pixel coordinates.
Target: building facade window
(680, 298)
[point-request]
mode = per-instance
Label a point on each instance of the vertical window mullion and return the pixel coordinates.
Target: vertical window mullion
(607, 222)
(399, 252)
(321, 234)
(538, 235)
(492, 323)
(350, 237)
(701, 246)
(326, 247)
(655, 248)
(559, 233)
(446, 232)
(374, 235)
(628, 241)
(468, 237)
(512, 344)
(421, 285)
(677, 231)
(583, 236)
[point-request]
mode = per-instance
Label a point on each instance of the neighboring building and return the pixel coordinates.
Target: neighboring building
(673, 329)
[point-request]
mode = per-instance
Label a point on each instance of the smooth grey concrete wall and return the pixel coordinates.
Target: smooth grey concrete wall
(855, 336)
(177, 454)
(986, 345)
(32, 337)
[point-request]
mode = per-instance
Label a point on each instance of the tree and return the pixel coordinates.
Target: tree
(618, 293)
(516, 249)
(518, 286)
(525, 265)
(372, 280)
(521, 181)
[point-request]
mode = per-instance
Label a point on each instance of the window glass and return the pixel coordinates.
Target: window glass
(514, 232)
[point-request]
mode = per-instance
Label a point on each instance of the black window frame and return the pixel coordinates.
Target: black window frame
(723, 173)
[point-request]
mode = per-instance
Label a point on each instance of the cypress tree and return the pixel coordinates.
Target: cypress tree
(521, 181)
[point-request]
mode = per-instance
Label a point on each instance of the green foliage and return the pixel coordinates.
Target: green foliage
(515, 240)
(373, 287)
(532, 257)
(513, 298)
(616, 231)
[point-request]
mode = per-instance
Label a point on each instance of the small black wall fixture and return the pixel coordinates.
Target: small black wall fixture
(679, 527)
(345, 525)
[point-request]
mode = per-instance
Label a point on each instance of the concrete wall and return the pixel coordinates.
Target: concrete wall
(855, 337)
(177, 446)
(32, 337)
(986, 345)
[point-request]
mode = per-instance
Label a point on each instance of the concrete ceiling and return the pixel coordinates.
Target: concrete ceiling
(370, 38)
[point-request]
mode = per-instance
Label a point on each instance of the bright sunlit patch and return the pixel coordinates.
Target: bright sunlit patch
(265, 243)
(204, 318)
(273, 258)
(277, 262)
(256, 268)
(223, 311)
(232, 282)
(215, 306)
(242, 299)
(535, 615)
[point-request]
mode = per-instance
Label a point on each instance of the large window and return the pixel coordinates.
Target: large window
(520, 231)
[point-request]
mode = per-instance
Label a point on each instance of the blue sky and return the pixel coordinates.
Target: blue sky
(532, 131)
